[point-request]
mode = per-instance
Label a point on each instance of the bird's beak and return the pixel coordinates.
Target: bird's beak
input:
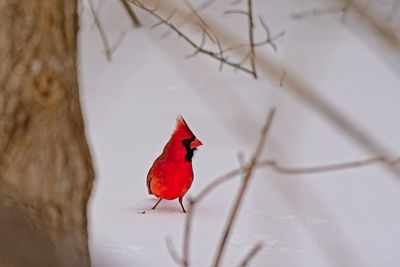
(196, 143)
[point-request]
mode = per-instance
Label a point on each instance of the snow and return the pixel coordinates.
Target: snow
(346, 218)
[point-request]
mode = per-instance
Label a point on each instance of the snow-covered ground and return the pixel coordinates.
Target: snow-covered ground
(344, 218)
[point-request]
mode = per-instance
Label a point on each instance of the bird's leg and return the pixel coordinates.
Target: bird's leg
(154, 207)
(180, 202)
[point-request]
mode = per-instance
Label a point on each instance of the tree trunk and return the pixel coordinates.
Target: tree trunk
(46, 169)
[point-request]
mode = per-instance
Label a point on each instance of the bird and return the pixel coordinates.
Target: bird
(171, 174)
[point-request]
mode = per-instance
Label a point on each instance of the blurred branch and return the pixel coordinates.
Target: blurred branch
(243, 188)
(393, 10)
(282, 78)
(376, 22)
(131, 13)
(317, 12)
(326, 168)
(251, 255)
(203, 25)
(108, 50)
(102, 33)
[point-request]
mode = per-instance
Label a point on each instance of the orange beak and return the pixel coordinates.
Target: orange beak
(196, 143)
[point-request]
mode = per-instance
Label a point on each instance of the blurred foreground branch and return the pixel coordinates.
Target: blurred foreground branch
(375, 21)
(131, 13)
(108, 50)
(243, 188)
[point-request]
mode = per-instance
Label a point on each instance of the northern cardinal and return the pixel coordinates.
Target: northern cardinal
(171, 174)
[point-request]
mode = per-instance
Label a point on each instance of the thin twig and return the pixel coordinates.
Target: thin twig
(251, 255)
(252, 56)
(282, 78)
(101, 31)
(235, 11)
(326, 168)
(295, 170)
(317, 12)
(197, 9)
(243, 188)
(206, 4)
(269, 40)
(117, 41)
(206, 190)
(131, 13)
(166, 19)
(235, 2)
(203, 40)
(204, 26)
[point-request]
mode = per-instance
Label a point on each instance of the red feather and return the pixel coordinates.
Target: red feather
(171, 174)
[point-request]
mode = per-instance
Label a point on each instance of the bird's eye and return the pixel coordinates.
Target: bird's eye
(186, 142)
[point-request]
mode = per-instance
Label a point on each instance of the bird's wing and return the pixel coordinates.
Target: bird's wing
(148, 184)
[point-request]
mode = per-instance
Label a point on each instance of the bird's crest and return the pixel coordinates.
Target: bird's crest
(182, 128)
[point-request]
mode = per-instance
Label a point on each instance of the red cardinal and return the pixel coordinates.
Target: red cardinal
(171, 175)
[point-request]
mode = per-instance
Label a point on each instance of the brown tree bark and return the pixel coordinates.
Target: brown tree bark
(46, 169)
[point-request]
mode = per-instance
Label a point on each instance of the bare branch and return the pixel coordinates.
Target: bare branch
(203, 40)
(326, 168)
(317, 12)
(117, 41)
(202, 6)
(295, 171)
(243, 188)
(203, 25)
(252, 56)
(167, 19)
(215, 55)
(251, 254)
(235, 2)
(131, 13)
(236, 11)
(102, 33)
(269, 40)
(282, 78)
(206, 4)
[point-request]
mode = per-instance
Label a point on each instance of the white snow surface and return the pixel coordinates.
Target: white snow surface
(344, 218)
